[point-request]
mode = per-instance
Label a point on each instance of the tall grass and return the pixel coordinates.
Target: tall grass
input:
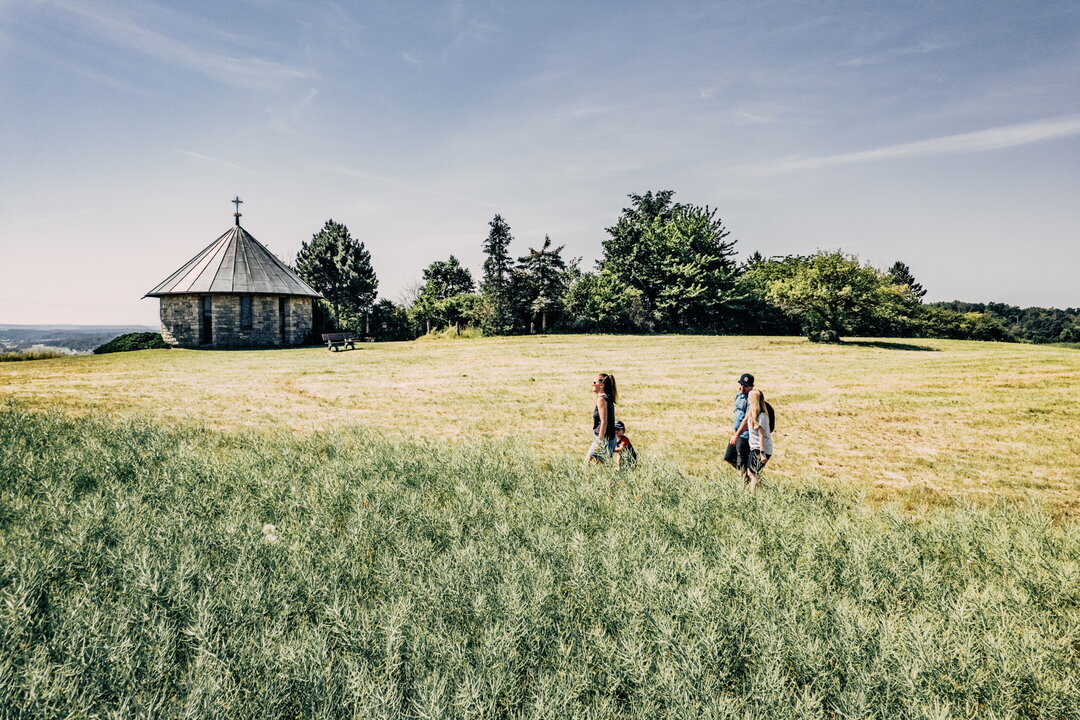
(407, 581)
(31, 354)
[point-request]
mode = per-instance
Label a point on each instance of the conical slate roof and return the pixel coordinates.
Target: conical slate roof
(234, 263)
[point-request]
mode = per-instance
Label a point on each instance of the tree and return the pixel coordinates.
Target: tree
(601, 302)
(339, 268)
(755, 313)
(900, 274)
(498, 266)
(390, 321)
(543, 272)
(625, 254)
(497, 313)
(443, 280)
(678, 257)
(833, 294)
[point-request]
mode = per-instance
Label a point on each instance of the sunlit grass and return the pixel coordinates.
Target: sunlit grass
(414, 579)
(20, 355)
(923, 420)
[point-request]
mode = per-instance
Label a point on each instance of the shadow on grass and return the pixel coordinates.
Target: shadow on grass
(885, 345)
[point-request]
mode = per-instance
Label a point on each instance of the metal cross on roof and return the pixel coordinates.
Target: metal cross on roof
(237, 202)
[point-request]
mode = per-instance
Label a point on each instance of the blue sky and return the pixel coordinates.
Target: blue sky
(946, 135)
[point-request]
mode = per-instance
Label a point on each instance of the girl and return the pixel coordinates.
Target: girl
(603, 446)
(761, 445)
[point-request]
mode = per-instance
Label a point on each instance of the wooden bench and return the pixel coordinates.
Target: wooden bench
(342, 339)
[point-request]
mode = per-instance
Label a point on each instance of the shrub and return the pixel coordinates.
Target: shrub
(132, 341)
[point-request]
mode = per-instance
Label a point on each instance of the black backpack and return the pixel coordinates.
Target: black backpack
(772, 417)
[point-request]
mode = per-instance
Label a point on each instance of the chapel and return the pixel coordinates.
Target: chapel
(235, 294)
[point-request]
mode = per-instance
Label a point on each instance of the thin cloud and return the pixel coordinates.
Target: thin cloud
(46, 219)
(890, 55)
(998, 138)
(219, 161)
(242, 71)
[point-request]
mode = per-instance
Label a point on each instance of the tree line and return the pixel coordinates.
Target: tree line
(665, 267)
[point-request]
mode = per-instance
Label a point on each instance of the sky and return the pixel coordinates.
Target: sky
(942, 134)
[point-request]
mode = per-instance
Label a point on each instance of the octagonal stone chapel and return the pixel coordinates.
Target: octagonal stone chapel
(233, 294)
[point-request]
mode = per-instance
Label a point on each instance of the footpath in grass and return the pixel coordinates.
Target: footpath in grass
(138, 579)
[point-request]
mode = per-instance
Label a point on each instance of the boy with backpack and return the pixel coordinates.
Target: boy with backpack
(625, 455)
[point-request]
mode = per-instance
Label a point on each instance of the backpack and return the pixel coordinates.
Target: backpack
(772, 417)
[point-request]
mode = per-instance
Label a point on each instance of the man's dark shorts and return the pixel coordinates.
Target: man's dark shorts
(738, 455)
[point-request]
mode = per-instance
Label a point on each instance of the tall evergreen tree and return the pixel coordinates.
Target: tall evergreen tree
(543, 272)
(900, 274)
(339, 267)
(498, 266)
(496, 285)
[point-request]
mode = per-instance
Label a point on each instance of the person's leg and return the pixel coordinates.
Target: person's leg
(757, 463)
(742, 449)
(600, 451)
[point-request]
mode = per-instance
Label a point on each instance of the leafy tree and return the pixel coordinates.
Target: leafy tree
(497, 309)
(339, 268)
(754, 311)
(1034, 324)
(900, 274)
(543, 274)
(678, 257)
(446, 278)
(443, 280)
(833, 294)
(626, 255)
(601, 302)
(390, 321)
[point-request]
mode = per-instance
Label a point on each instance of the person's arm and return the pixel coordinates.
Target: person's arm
(601, 405)
(740, 431)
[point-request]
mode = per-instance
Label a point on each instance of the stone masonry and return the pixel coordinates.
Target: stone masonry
(181, 321)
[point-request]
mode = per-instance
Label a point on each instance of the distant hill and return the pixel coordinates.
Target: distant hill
(72, 338)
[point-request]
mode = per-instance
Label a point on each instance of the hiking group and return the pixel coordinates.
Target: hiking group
(748, 449)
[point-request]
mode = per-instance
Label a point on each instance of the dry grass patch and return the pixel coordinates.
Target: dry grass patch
(922, 420)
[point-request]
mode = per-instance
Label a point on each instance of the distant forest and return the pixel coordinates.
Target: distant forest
(665, 267)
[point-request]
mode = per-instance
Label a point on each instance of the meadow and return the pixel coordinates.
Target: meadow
(165, 570)
(926, 422)
(406, 531)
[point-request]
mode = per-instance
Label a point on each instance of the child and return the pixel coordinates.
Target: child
(625, 455)
(761, 444)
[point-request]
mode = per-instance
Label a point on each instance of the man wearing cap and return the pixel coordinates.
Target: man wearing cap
(738, 449)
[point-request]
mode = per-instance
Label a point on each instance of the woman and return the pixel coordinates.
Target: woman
(603, 446)
(761, 444)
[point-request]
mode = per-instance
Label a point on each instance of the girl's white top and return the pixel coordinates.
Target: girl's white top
(755, 440)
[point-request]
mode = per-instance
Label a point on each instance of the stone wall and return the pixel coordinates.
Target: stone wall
(181, 319)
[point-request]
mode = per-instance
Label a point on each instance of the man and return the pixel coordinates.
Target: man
(738, 449)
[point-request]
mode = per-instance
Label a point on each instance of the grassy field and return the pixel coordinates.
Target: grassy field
(923, 421)
(139, 577)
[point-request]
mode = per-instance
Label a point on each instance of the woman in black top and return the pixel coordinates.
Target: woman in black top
(603, 445)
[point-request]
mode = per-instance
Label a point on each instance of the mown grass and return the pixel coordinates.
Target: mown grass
(419, 580)
(925, 421)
